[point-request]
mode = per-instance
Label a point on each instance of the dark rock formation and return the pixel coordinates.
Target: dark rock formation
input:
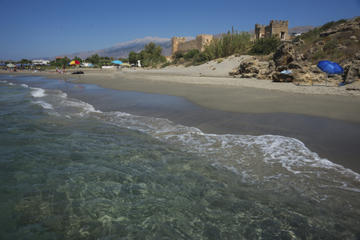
(254, 68)
(352, 70)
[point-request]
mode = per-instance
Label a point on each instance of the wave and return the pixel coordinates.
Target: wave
(267, 159)
(38, 92)
(43, 104)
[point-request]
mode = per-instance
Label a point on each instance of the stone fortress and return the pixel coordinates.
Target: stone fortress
(179, 44)
(275, 28)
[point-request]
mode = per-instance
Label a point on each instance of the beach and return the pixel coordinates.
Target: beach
(82, 160)
(326, 119)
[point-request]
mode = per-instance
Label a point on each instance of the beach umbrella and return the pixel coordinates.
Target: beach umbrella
(117, 62)
(74, 62)
(10, 65)
(330, 68)
(2, 64)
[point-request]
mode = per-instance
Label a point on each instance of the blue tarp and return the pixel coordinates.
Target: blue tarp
(330, 67)
(287, 72)
(118, 62)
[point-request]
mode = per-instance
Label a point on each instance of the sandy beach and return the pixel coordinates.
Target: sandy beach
(326, 119)
(210, 86)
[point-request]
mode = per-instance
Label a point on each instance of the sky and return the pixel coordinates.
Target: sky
(39, 28)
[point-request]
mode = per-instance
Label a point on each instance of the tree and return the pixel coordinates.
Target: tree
(133, 57)
(94, 59)
(77, 58)
(25, 61)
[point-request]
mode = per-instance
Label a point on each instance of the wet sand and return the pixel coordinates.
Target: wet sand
(333, 139)
(237, 95)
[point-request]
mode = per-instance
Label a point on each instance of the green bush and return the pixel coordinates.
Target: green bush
(191, 54)
(228, 44)
(265, 46)
(201, 58)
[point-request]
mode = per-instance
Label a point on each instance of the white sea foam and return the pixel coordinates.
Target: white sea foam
(3, 81)
(266, 158)
(43, 104)
(24, 85)
(38, 92)
(82, 106)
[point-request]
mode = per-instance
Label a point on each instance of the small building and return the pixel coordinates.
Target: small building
(85, 64)
(276, 28)
(40, 62)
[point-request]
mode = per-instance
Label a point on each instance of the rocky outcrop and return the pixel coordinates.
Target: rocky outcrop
(255, 68)
(296, 61)
(352, 70)
(346, 26)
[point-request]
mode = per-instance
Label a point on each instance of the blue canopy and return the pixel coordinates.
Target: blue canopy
(118, 62)
(2, 64)
(330, 67)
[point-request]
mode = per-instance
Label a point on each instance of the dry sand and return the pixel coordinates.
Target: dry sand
(210, 86)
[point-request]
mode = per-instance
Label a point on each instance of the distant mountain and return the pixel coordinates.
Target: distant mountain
(122, 50)
(300, 29)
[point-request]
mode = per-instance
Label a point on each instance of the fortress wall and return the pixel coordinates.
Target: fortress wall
(186, 46)
(179, 44)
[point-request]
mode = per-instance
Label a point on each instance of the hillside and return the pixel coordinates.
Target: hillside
(335, 41)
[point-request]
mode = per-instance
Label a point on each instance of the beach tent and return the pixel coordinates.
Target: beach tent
(74, 62)
(330, 68)
(2, 64)
(117, 62)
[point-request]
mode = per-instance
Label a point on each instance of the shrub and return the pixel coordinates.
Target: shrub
(191, 54)
(166, 64)
(265, 46)
(201, 58)
(228, 44)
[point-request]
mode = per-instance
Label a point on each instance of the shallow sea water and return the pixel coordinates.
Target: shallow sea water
(70, 171)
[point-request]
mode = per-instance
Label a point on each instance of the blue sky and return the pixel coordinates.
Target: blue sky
(38, 28)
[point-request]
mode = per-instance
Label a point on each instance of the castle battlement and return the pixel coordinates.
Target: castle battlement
(259, 26)
(279, 23)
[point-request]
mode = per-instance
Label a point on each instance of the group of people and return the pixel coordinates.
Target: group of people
(61, 71)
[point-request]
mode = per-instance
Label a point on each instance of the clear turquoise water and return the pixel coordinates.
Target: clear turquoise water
(69, 171)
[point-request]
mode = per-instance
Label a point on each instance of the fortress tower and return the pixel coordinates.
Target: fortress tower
(275, 28)
(175, 42)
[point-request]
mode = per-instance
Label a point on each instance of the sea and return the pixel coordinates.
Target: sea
(70, 170)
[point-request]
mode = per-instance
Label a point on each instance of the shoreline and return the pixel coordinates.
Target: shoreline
(332, 138)
(225, 93)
